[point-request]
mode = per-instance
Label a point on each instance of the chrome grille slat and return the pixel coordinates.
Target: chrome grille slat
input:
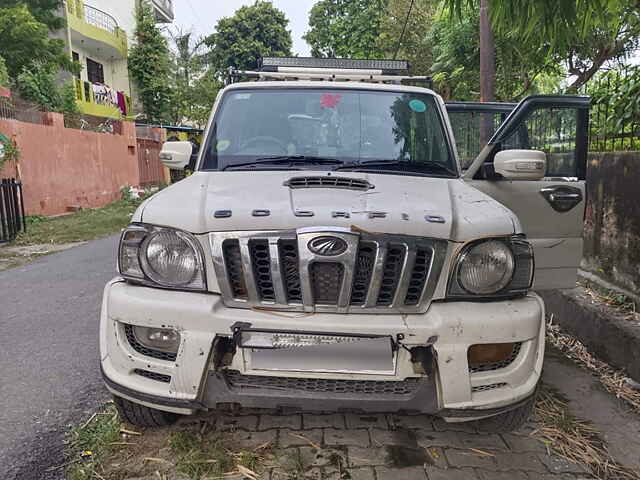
(249, 279)
(405, 274)
(276, 272)
(396, 274)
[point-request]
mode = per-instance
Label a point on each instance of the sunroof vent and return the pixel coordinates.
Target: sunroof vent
(329, 182)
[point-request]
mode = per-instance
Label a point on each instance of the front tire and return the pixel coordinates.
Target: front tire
(142, 416)
(509, 421)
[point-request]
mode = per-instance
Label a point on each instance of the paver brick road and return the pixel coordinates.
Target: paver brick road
(398, 447)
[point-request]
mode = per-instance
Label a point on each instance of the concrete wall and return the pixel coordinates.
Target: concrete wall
(612, 220)
(63, 167)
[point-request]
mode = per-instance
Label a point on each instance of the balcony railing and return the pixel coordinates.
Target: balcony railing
(166, 6)
(100, 19)
(96, 24)
(86, 92)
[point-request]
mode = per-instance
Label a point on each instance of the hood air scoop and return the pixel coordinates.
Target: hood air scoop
(329, 182)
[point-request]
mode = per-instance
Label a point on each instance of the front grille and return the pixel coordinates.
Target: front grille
(236, 380)
(491, 386)
(278, 270)
(158, 377)
(326, 281)
(329, 182)
(488, 367)
(141, 349)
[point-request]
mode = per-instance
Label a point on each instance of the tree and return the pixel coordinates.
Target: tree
(195, 86)
(414, 46)
(150, 66)
(252, 32)
(520, 68)
(25, 40)
(38, 84)
(346, 28)
(4, 75)
(582, 34)
(43, 11)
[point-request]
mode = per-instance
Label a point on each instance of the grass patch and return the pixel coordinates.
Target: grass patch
(90, 443)
(620, 302)
(573, 439)
(198, 455)
(80, 226)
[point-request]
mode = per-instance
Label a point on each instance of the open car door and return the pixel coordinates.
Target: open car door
(550, 207)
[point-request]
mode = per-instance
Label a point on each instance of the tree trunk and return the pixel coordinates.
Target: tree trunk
(487, 71)
(487, 55)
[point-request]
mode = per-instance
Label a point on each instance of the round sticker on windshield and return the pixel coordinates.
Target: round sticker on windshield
(223, 145)
(417, 105)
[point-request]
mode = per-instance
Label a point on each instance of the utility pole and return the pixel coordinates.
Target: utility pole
(487, 55)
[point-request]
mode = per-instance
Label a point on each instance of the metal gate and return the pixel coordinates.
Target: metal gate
(12, 218)
(149, 164)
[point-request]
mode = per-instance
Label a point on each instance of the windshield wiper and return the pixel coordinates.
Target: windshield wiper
(286, 160)
(407, 166)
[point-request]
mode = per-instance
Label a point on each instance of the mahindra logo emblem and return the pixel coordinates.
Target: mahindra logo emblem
(327, 246)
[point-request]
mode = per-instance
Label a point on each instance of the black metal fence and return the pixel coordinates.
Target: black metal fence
(615, 110)
(12, 217)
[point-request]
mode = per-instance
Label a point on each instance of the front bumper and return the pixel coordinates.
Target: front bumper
(452, 391)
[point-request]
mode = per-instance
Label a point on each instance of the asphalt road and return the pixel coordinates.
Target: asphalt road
(49, 365)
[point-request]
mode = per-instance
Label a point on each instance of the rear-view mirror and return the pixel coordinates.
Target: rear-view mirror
(176, 155)
(520, 164)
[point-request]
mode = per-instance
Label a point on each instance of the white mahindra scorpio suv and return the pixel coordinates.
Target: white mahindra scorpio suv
(339, 248)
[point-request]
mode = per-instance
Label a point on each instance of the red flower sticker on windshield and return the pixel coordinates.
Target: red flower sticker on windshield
(330, 100)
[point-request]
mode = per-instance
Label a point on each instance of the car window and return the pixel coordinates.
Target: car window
(349, 125)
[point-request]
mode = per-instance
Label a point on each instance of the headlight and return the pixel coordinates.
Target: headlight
(493, 267)
(161, 256)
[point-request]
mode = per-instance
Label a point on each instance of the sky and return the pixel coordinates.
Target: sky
(202, 15)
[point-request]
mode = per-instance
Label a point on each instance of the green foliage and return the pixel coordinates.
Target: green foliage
(90, 443)
(615, 107)
(346, 28)
(38, 84)
(415, 46)
(25, 40)
(584, 34)
(4, 75)
(195, 87)
(42, 10)
(194, 455)
(252, 32)
(150, 66)
(456, 67)
(9, 151)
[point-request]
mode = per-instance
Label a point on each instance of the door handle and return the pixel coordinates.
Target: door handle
(562, 198)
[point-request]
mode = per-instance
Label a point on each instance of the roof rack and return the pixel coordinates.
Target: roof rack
(330, 69)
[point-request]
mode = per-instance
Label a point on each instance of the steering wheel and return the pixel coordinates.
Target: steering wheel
(264, 139)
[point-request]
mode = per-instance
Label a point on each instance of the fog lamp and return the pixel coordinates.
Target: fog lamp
(163, 339)
(489, 353)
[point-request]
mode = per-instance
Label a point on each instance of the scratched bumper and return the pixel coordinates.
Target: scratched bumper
(202, 317)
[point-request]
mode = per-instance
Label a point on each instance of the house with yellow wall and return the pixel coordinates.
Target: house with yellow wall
(98, 35)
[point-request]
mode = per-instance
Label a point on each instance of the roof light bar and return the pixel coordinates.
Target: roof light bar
(271, 64)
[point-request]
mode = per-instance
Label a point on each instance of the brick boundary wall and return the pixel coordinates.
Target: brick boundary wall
(63, 167)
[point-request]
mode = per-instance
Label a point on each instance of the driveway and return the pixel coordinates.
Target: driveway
(49, 366)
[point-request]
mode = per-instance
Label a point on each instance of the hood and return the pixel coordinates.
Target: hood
(465, 213)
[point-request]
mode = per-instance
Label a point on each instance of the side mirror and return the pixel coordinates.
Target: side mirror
(520, 164)
(176, 155)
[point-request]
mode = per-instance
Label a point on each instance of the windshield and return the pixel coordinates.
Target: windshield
(328, 129)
